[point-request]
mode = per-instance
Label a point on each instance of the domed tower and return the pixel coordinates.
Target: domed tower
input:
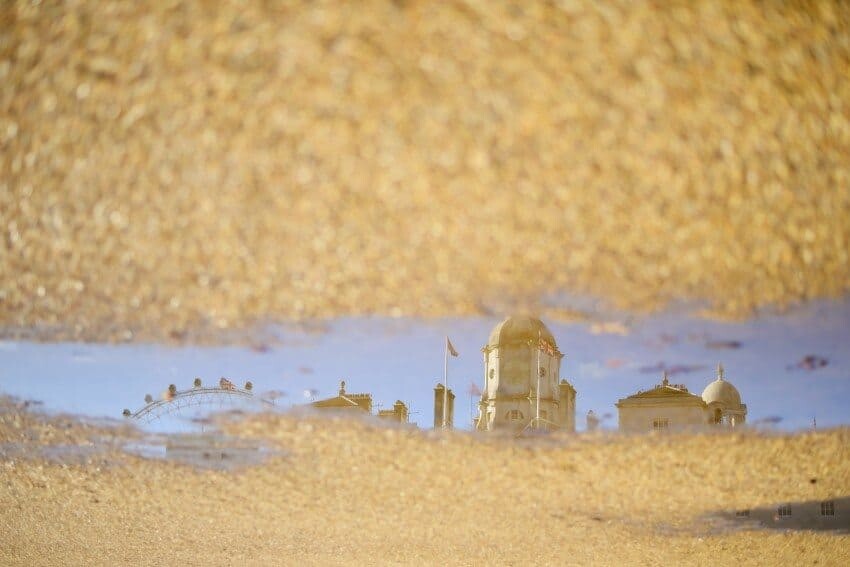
(509, 397)
(724, 401)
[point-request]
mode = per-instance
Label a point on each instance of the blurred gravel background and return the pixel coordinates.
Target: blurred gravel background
(172, 167)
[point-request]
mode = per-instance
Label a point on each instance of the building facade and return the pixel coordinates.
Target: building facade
(399, 413)
(672, 407)
(830, 514)
(357, 404)
(522, 384)
(345, 401)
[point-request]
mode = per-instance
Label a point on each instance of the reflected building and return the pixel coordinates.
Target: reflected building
(346, 402)
(672, 407)
(830, 515)
(399, 413)
(666, 406)
(520, 356)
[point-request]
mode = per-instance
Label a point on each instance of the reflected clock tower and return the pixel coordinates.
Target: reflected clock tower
(520, 354)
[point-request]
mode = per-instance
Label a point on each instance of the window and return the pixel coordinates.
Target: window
(784, 511)
(827, 508)
(660, 424)
(492, 373)
(513, 414)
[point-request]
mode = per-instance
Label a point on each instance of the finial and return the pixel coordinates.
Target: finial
(342, 387)
(664, 381)
(720, 371)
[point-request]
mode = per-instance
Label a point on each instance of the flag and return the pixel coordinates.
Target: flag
(474, 390)
(450, 348)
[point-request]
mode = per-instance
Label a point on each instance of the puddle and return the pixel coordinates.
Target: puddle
(792, 370)
(32, 434)
(205, 450)
(59, 454)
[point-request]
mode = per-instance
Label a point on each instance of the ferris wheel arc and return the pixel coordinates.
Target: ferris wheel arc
(178, 400)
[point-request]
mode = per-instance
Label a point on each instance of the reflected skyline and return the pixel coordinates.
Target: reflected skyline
(791, 369)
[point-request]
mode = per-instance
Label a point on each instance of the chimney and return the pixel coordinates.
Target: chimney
(401, 411)
(439, 395)
(567, 406)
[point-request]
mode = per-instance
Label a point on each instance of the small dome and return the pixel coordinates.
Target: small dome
(519, 328)
(722, 392)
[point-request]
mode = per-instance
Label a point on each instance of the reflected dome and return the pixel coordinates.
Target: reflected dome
(519, 328)
(722, 392)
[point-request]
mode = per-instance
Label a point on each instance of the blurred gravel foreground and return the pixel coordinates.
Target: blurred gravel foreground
(167, 167)
(354, 493)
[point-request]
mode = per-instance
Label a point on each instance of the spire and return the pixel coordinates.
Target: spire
(664, 381)
(342, 387)
(720, 371)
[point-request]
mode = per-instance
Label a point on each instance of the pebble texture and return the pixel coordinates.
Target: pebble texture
(171, 167)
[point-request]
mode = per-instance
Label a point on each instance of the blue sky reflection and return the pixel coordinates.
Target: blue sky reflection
(764, 357)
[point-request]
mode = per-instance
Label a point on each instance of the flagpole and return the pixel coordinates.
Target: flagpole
(445, 381)
(537, 417)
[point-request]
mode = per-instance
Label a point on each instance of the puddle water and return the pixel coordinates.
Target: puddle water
(64, 454)
(790, 369)
(204, 450)
(207, 451)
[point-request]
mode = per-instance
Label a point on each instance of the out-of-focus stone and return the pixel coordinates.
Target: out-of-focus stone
(406, 158)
